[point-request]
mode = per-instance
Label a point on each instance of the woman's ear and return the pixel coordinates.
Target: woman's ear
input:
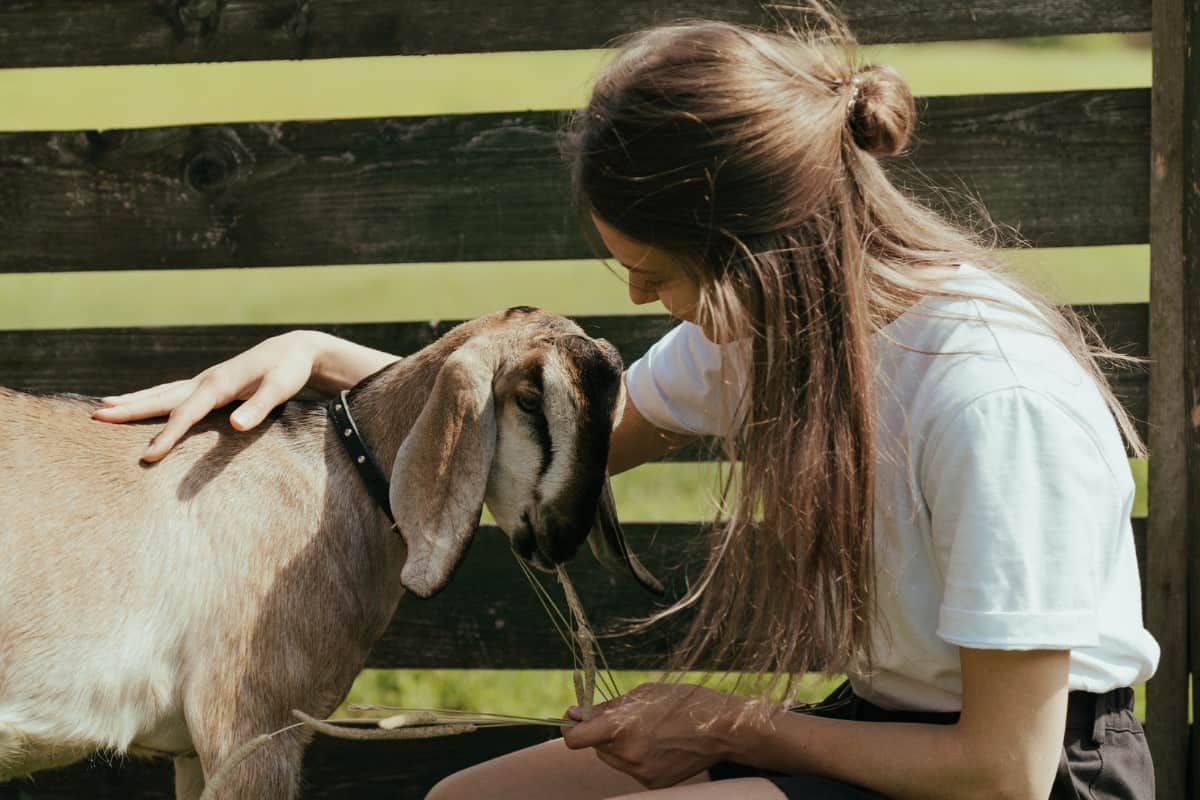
(441, 472)
(608, 544)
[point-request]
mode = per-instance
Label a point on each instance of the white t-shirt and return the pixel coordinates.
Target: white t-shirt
(1002, 493)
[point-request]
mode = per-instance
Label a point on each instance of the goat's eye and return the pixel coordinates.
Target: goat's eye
(529, 402)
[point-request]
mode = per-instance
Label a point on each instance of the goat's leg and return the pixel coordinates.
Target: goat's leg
(22, 753)
(189, 778)
(271, 771)
(13, 752)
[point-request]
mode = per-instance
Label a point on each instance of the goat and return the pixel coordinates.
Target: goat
(185, 607)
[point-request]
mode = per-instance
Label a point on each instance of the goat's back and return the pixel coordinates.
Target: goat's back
(115, 570)
(64, 474)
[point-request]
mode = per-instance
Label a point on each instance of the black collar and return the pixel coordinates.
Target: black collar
(368, 468)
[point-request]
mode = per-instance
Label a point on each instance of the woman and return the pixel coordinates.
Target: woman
(934, 496)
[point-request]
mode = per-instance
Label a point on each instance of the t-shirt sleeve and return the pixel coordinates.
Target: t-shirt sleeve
(1022, 505)
(687, 384)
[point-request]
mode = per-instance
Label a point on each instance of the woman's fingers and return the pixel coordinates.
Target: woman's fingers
(141, 394)
(593, 732)
(193, 409)
(266, 375)
(178, 424)
(157, 401)
(275, 389)
(271, 386)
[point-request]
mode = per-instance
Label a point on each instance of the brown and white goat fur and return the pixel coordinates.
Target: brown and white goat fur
(184, 607)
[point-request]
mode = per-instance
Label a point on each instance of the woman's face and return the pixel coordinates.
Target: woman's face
(653, 273)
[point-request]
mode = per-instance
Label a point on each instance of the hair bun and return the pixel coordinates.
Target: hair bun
(882, 112)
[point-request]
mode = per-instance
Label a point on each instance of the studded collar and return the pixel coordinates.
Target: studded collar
(364, 461)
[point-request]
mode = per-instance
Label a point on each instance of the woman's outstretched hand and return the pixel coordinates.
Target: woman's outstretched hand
(659, 734)
(264, 376)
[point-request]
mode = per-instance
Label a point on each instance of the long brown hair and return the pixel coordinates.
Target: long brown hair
(753, 157)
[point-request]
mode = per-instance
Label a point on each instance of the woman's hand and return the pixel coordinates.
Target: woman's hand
(659, 734)
(264, 376)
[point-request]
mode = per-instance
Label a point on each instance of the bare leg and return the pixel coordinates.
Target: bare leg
(739, 789)
(189, 778)
(547, 771)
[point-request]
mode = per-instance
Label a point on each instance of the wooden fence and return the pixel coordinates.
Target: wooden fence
(1067, 168)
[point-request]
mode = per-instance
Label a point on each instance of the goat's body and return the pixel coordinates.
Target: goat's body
(75, 677)
(190, 605)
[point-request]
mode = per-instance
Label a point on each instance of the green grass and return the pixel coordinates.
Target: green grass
(388, 292)
(540, 693)
(140, 96)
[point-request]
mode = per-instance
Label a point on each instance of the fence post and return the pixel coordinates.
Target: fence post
(1173, 563)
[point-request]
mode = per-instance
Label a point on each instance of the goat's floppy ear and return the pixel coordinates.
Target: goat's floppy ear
(441, 472)
(607, 541)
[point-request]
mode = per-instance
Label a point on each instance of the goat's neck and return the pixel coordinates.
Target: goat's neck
(386, 404)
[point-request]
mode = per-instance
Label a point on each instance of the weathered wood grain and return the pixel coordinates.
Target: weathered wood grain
(1189, 132)
(92, 32)
(1125, 328)
(113, 360)
(1191, 351)
(1174, 467)
(1063, 168)
(107, 360)
(489, 618)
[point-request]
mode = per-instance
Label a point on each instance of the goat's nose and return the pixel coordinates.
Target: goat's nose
(558, 541)
(523, 542)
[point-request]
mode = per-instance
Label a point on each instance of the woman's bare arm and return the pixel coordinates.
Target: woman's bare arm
(264, 376)
(635, 441)
(1006, 745)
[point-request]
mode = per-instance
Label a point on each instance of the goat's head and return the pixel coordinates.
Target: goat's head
(519, 417)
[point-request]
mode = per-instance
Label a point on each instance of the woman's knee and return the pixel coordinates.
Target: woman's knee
(449, 787)
(501, 777)
(547, 770)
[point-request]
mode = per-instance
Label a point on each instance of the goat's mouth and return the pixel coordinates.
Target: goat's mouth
(525, 544)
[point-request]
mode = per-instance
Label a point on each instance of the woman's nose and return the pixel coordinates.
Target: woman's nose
(639, 295)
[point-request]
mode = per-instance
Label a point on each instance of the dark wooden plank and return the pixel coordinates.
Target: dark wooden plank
(99, 778)
(1122, 326)
(1125, 327)
(1190, 133)
(1064, 168)
(91, 32)
(109, 360)
(1022, 156)
(1139, 545)
(333, 770)
(1173, 287)
(489, 618)
(112, 360)
(1191, 336)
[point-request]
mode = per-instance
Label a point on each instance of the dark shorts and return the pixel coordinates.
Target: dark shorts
(1104, 755)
